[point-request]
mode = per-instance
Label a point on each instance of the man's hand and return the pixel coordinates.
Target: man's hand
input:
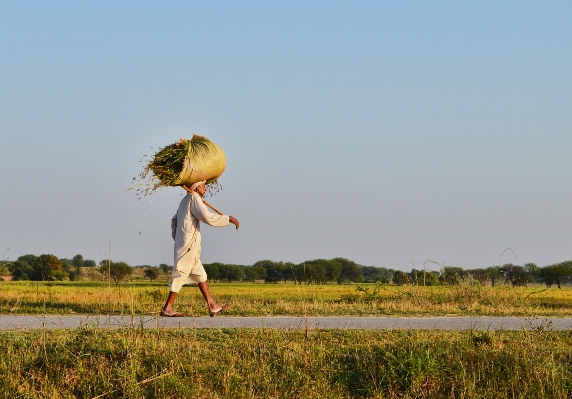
(233, 221)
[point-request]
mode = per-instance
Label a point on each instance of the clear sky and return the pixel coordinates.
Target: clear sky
(384, 132)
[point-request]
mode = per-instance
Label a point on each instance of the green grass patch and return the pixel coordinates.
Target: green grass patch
(186, 363)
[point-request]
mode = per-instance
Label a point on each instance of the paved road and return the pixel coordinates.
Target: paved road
(289, 322)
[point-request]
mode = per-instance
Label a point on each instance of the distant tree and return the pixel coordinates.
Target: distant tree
(495, 274)
(350, 271)
(414, 276)
(45, 265)
(29, 259)
(519, 276)
(431, 278)
(333, 269)
(372, 274)
(515, 275)
(481, 275)
(212, 270)
(558, 274)
(289, 272)
(77, 263)
(299, 273)
(4, 267)
(118, 271)
(274, 270)
(152, 273)
(58, 275)
(230, 272)
(386, 275)
(255, 272)
(452, 275)
(67, 269)
(423, 277)
(400, 278)
(166, 269)
(89, 263)
(567, 267)
(321, 271)
(313, 271)
(548, 275)
(533, 271)
(21, 270)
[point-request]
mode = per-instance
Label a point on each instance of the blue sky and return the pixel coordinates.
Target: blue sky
(385, 132)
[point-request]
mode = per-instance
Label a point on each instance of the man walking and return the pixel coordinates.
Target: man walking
(186, 231)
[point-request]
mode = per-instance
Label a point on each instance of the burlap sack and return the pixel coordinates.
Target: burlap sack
(204, 162)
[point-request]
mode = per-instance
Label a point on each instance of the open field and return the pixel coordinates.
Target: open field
(187, 363)
(247, 299)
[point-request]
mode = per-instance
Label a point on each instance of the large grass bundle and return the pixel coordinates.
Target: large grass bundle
(183, 163)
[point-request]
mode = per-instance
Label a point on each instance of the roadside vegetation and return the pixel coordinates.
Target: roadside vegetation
(247, 299)
(48, 285)
(187, 363)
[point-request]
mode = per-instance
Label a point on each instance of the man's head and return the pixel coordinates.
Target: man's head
(199, 187)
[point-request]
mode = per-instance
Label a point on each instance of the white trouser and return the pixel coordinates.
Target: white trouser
(177, 283)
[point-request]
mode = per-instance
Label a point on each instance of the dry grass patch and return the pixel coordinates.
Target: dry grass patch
(249, 299)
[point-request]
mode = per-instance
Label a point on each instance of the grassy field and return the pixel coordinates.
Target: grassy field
(248, 299)
(209, 363)
(135, 363)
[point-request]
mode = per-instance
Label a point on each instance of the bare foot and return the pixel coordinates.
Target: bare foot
(169, 312)
(218, 309)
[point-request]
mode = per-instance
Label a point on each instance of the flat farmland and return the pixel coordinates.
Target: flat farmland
(248, 299)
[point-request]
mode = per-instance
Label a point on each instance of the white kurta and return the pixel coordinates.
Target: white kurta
(187, 234)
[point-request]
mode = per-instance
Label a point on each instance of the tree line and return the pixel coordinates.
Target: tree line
(318, 271)
(46, 267)
(51, 268)
(340, 270)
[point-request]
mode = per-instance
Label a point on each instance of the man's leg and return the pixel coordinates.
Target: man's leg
(214, 308)
(175, 286)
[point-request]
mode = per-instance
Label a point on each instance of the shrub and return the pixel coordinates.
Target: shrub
(21, 270)
(117, 271)
(151, 273)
